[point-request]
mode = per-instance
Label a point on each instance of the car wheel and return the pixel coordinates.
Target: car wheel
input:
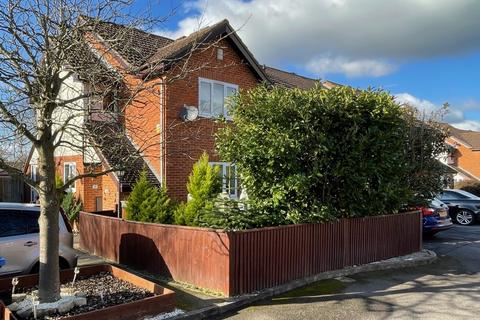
(465, 217)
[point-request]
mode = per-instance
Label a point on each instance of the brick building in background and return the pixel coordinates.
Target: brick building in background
(219, 65)
(464, 155)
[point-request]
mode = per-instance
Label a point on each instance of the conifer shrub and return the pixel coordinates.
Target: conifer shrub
(149, 203)
(204, 185)
(71, 207)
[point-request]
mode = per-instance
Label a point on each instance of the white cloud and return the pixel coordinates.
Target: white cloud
(468, 125)
(351, 68)
(358, 37)
(471, 104)
(421, 104)
(455, 115)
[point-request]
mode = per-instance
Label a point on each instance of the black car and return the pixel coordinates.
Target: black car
(464, 207)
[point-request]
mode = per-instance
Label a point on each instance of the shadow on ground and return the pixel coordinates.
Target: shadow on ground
(446, 289)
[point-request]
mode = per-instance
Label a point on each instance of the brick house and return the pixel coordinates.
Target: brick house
(464, 155)
(219, 64)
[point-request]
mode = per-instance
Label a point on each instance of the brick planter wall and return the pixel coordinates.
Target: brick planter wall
(244, 261)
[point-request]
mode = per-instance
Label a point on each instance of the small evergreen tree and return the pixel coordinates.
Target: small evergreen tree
(137, 197)
(204, 185)
(72, 207)
(156, 207)
(59, 185)
(148, 203)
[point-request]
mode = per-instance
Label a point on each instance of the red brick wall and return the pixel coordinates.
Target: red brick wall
(104, 186)
(184, 142)
(142, 119)
(187, 140)
(88, 189)
(78, 159)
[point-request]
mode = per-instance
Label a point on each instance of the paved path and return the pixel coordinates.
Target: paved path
(84, 258)
(446, 289)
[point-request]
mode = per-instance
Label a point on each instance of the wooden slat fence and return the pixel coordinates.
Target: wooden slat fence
(263, 258)
(193, 255)
(245, 261)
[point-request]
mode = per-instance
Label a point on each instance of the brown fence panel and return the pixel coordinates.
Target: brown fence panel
(245, 261)
(262, 258)
(194, 255)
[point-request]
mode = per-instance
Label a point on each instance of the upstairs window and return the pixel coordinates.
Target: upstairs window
(212, 97)
(69, 171)
(219, 54)
(228, 173)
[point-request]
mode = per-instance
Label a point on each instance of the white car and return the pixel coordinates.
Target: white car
(19, 239)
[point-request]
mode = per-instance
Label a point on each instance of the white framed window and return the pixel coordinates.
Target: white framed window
(219, 54)
(212, 96)
(228, 172)
(69, 171)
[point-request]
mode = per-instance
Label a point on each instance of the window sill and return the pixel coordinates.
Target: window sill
(207, 116)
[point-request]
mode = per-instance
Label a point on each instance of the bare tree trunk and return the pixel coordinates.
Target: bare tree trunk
(49, 284)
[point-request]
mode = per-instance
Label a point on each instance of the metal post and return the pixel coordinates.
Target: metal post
(120, 174)
(119, 213)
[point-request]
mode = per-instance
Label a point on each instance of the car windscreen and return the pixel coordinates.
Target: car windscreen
(467, 194)
(451, 195)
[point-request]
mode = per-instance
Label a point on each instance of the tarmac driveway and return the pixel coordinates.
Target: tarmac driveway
(447, 289)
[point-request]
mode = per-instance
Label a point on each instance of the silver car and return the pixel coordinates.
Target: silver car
(19, 239)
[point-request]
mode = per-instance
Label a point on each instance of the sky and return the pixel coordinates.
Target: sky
(425, 52)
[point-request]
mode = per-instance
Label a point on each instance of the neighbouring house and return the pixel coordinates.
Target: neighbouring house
(463, 157)
(12, 189)
(156, 117)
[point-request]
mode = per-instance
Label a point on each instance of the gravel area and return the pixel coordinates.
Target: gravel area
(102, 290)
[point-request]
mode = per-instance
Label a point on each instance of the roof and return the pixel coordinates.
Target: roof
(293, 80)
(327, 84)
(135, 46)
(194, 40)
(147, 52)
(463, 172)
(119, 152)
(289, 79)
(467, 137)
(448, 168)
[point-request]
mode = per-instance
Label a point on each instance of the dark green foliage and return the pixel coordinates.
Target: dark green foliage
(204, 185)
(137, 197)
(71, 206)
(148, 203)
(59, 185)
(469, 186)
(317, 155)
(229, 214)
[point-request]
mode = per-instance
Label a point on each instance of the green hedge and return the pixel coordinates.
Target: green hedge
(317, 155)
